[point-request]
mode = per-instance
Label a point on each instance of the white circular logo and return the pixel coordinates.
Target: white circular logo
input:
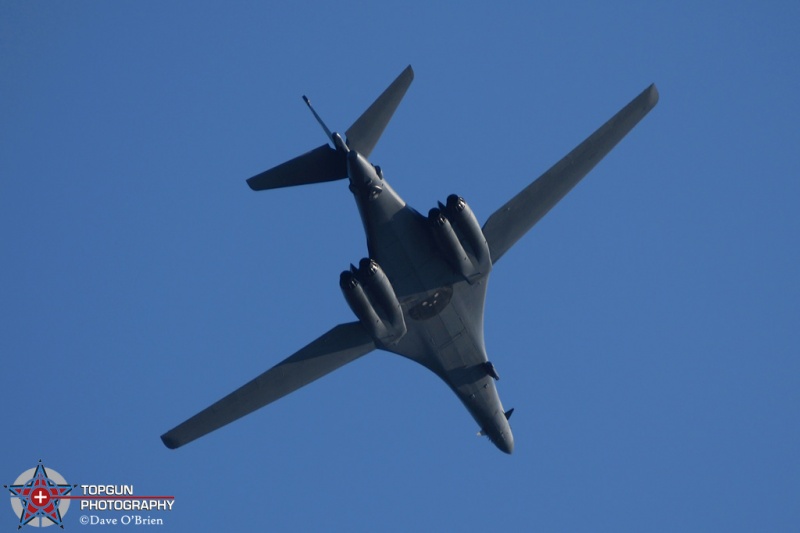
(36, 497)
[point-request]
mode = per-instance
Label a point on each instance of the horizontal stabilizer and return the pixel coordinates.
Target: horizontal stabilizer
(509, 223)
(363, 135)
(339, 346)
(319, 165)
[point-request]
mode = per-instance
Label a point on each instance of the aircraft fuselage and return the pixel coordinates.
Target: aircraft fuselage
(443, 311)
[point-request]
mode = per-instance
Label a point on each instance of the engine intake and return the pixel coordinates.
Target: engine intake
(460, 238)
(370, 295)
(449, 244)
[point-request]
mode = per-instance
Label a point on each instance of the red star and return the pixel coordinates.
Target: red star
(40, 497)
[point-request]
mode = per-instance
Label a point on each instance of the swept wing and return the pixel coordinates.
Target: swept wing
(336, 348)
(509, 223)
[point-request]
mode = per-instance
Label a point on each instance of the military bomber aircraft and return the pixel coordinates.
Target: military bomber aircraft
(420, 292)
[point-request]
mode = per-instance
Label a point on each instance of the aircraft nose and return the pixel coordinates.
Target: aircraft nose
(506, 442)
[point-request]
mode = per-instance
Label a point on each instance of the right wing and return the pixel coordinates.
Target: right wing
(336, 348)
(509, 223)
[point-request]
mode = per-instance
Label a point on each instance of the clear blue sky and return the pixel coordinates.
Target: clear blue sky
(647, 331)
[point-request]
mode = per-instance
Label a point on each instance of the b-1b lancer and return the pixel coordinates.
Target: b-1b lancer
(420, 292)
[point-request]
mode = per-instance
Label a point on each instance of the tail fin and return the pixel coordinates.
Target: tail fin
(363, 135)
(318, 165)
(329, 164)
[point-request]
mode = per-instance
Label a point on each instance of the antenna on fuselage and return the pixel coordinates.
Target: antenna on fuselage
(321, 123)
(335, 138)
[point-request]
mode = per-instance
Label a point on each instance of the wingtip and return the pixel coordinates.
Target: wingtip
(169, 442)
(652, 95)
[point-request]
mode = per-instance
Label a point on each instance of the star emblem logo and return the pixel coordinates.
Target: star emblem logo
(37, 494)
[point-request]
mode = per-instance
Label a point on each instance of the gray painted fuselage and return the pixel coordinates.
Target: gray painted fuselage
(442, 310)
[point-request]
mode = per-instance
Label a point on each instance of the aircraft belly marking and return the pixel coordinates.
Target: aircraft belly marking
(432, 305)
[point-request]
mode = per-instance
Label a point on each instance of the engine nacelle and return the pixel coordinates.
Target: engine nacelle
(461, 215)
(371, 297)
(360, 304)
(460, 238)
(449, 244)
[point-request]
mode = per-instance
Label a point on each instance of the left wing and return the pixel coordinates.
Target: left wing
(509, 223)
(336, 348)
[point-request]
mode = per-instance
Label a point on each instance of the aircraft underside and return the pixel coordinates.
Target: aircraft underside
(420, 293)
